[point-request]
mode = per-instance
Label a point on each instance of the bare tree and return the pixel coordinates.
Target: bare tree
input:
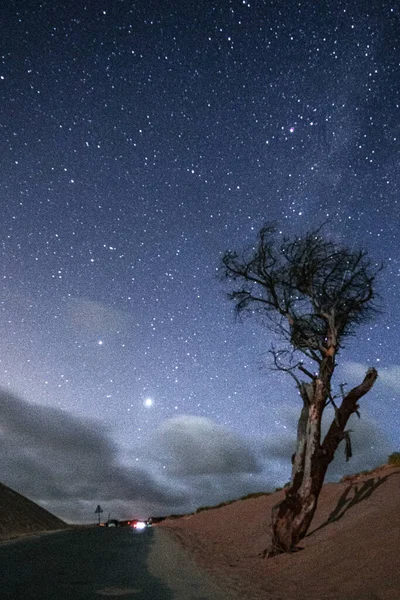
(313, 293)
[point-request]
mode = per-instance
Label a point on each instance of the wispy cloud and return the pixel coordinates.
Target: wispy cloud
(193, 445)
(388, 376)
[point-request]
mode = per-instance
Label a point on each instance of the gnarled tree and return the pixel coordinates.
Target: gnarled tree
(313, 293)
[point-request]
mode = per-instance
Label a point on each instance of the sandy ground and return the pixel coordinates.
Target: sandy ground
(352, 551)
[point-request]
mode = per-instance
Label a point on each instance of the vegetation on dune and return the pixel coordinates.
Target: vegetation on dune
(394, 459)
(227, 502)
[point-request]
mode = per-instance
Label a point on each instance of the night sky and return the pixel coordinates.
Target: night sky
(139, 141)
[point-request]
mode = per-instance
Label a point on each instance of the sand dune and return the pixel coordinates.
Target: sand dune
(352, 551)
(20, 516)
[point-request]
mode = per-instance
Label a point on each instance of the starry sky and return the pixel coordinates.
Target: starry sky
(139, 141)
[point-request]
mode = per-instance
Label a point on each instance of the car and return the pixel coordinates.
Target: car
(130, 523)
(112, 523)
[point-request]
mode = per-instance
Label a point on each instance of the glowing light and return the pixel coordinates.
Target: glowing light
(148, 402)
(140, 525)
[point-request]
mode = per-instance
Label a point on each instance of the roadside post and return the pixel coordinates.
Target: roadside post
(98, 511)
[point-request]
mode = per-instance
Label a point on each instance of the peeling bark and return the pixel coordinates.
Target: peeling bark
(292, 517)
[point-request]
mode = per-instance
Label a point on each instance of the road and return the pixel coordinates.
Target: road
(85, 564)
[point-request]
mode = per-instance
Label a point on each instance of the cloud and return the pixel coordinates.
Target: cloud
(198, 446)
(355, 370)
(69, 465)
(388, 376)
(370, 448)
(206, 461)
(96, 318)
(58, 459)
(370, 445)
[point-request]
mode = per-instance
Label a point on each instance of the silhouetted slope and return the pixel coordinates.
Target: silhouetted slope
(18, 515)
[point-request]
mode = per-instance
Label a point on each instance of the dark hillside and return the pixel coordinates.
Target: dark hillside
(18, 515)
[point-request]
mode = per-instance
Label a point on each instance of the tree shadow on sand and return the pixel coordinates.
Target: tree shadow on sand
(347, 500)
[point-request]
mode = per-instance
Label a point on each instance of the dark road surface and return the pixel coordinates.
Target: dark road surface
(86, 564)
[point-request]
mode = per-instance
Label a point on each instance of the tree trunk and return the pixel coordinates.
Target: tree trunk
(291, 518)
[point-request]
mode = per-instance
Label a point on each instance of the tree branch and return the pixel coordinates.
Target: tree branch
(347, 408)
(286, 369)
(306, 372)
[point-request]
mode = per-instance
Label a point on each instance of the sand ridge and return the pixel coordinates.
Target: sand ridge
(352, 551)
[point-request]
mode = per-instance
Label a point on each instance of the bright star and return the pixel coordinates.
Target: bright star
(148, 402)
